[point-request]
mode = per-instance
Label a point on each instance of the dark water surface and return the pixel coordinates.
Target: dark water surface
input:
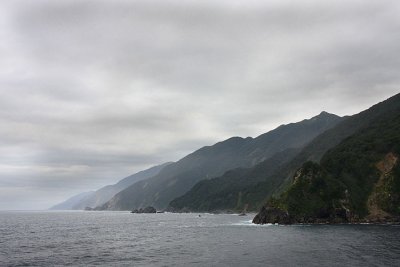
(124, 239)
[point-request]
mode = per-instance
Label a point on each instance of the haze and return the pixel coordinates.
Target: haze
(93, 91)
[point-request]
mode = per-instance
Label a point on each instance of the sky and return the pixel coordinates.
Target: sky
(93, 91)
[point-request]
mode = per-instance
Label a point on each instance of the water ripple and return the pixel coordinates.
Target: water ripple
(123, 239)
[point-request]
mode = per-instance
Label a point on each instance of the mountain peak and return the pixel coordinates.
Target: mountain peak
(325, 115)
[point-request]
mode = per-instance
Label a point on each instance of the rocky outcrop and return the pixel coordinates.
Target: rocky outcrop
(272, 215)
(145, 210)
(279, 216)
(312, 198)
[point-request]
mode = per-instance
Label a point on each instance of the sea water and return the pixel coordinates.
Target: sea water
(30, 238)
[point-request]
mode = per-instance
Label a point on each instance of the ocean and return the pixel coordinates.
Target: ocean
(78, 238)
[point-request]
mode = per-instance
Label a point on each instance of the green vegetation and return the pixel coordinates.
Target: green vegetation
(354, 161)
(314, 194)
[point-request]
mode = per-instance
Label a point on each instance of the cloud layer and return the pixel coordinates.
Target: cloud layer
(92, 91)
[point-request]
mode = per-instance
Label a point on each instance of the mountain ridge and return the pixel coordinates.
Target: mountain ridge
(215, 160)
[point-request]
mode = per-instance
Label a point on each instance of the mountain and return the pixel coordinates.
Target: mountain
(281, 179)
(212, 161)
(224, 193)
(105, 193)
(254, 186)
(72, 201)
(357, 180)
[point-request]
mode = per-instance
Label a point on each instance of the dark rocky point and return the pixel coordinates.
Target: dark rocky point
(272, 215)
(145, 210)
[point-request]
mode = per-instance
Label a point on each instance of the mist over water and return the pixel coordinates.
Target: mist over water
(124, 239)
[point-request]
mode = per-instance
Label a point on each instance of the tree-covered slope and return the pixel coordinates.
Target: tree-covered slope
(357, 180)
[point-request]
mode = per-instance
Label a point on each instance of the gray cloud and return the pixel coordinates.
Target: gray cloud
(92, 91)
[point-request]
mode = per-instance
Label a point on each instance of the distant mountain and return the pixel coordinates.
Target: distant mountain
(72, 201)
(357, 180)
(105, 193)
(212, 161)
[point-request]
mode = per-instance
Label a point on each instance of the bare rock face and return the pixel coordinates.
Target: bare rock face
(379, 202)
(272, 215)
(145, 210)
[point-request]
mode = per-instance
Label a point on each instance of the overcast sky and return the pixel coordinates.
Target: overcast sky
(92, 91)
